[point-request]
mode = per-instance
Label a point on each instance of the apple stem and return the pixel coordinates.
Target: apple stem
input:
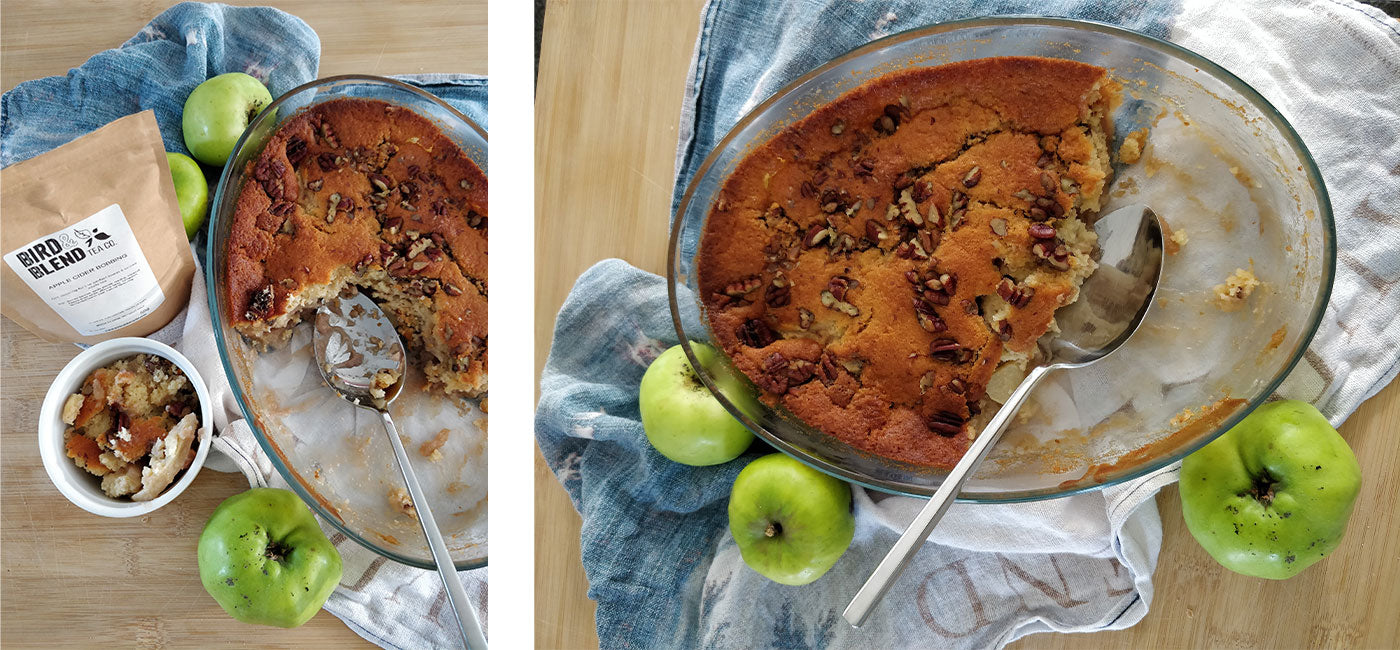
(773, 529)
(276, 552)
(1263, 489)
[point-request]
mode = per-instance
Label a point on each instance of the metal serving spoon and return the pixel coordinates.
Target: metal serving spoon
(359, 354)
(1111, 305)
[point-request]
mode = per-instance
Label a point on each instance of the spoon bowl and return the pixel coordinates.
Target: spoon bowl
(362, 359)
(1112, 302)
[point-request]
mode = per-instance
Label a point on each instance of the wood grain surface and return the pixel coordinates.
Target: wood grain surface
(73, 579)
(611, 79)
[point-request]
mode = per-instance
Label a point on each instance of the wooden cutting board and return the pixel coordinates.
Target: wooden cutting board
(75, 579)
(611, 80)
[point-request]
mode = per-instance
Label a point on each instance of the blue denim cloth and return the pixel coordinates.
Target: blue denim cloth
(652, 527)
(157, 68)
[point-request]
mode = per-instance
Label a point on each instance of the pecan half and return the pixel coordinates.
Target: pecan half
(742, 287)
(945, 423)
(296, 150)
(778, 296)
(756, 334)
(815, 234)
(839, 285)
(973, 177)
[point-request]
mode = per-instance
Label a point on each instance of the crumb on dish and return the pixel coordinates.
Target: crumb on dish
(399, 500)
(1179, 237)
(432, 449)
(1131, 149)
(1236, 290)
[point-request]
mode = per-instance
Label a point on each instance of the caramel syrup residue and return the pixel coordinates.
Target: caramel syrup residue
(1210, 417)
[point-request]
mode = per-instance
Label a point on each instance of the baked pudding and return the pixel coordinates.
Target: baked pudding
(873, 265)
(133, 423)
(363, 193)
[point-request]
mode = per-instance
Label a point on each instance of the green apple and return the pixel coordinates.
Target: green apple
(1273, 494)
(191, 189)
(790, 521)
(217, 112)
(683, 421)
(264, 559)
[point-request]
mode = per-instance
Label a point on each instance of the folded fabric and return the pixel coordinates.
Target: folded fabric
(387, 603)
(660, 562)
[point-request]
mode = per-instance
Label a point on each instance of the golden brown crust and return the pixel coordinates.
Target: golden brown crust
(364, 192)
(871, 265)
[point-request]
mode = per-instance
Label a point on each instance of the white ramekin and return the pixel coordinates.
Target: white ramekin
(82, 488)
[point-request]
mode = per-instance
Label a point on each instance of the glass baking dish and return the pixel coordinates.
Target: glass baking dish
(1221, 164)
(334, 455)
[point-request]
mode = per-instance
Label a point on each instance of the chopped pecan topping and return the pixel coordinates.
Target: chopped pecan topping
(327, 161)
(973, 177)
(998, 226)
(742, 287)
(774, 376)
(1041, 231)
(296, 150)
(380, 182)
(874, 232)
(887, 123)
(281, 208)
(945, 423)
(778, 296)
(815, 234)
(839, 285)
(838, 128)
(260, 303)
(804, 317)
(830, 301)
(328, 134)
(1050, 206)
(930, 323)
(834, 200)
(949, 350)
(1003, 329)
(756, 334)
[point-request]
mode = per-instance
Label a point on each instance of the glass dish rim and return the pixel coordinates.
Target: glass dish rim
(1266, 108)
(225, 178)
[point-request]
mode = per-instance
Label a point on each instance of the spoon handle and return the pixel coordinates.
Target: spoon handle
(467, 622)
(903, 550)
